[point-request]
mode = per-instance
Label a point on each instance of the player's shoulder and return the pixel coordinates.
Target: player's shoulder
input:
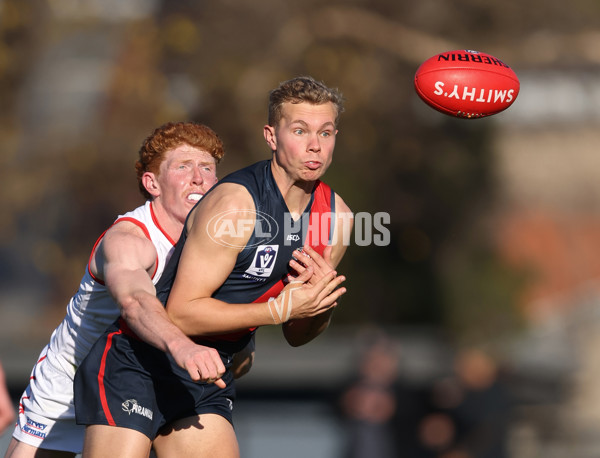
(227, 196)
(250, 175)
(124, 241)
(128, 226)
(127, 233)
(218, 215)
(343, 216)
(134, 222)
(228, 201)
(340, 204)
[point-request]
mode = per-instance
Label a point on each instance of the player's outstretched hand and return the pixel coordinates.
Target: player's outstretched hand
(299, 299)
(202, 363)
(308, 257)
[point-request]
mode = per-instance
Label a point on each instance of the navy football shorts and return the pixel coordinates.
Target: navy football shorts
(127, 383)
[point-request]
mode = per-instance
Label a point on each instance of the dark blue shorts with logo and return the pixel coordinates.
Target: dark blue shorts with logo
(127, 383)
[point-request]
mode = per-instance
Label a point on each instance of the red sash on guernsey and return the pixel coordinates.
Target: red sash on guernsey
(321, 205)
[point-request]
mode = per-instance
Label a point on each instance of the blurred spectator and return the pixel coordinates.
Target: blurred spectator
(469, 411)
(7, 409)
(378, 411)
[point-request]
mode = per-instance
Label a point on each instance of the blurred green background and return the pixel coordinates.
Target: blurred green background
(494, 222)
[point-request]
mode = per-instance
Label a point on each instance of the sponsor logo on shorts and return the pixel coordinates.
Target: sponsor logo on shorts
(34, 428)
(131, 406)
(230, 403)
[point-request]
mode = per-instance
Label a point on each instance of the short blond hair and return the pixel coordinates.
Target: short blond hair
(302, 89)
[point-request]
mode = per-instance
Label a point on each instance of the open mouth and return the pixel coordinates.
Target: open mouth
(194, 197)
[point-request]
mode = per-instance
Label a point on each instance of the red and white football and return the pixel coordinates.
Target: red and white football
(466, 84)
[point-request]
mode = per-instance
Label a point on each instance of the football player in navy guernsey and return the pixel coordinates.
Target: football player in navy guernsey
(259, 249)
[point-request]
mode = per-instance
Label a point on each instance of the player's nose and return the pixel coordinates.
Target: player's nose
(314, 144)
(197, 176)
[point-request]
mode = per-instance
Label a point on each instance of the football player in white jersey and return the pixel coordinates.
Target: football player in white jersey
(176, 167)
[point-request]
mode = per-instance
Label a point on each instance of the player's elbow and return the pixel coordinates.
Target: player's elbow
(300, 335)
(242, 364)
(130, 308)
(181, 320)
(137, 306)
(299, 340)
(300, 332)
(296, 342)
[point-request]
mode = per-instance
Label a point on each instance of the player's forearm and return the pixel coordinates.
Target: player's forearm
(297, 300)
(210, 316)
(147, 317)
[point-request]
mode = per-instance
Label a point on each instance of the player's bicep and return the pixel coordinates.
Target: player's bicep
(124, 259)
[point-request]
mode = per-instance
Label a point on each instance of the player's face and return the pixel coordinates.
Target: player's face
(186, 174)
(304, 139)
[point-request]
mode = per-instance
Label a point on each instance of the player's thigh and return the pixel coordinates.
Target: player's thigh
(103, 441)
(205, 435)
(18, 449)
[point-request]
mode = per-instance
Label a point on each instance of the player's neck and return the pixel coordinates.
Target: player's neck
(167, 222)
(296, 194)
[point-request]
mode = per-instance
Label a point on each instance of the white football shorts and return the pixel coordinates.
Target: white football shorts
(46, 411)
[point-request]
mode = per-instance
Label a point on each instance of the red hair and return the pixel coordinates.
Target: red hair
(170, 136)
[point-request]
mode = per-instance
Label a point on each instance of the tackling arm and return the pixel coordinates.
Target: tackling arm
(123, 260)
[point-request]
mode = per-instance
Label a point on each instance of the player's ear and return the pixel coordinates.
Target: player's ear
(269, 133)
(151, 184)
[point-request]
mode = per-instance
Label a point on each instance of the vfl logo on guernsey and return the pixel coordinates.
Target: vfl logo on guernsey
(232, 228)
(264, 261)
(131, 406)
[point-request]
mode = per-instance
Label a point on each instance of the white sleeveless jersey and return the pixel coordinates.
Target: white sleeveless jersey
(92, 309)
(46, 411)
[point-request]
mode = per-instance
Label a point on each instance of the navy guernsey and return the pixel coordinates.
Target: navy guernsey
(262, 265)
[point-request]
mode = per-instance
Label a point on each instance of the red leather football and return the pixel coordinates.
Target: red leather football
(466, 84)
